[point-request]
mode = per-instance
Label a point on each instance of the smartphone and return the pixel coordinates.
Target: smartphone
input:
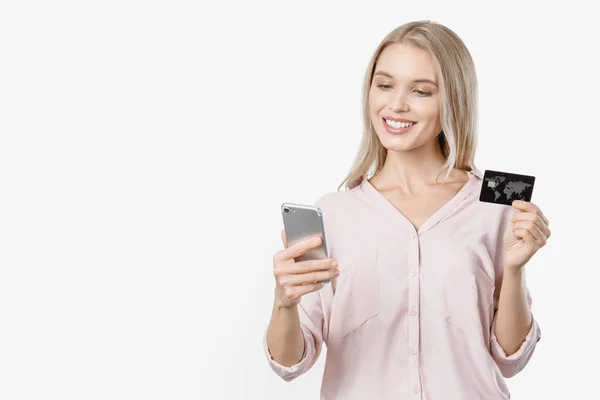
(301, 222)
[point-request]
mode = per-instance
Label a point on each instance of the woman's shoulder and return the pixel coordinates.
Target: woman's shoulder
(339, 199)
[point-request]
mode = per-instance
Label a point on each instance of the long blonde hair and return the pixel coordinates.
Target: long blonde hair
(458, 92)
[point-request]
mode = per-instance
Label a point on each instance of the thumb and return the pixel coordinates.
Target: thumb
(283, 238)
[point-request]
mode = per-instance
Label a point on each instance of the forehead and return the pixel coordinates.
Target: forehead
(406, 62)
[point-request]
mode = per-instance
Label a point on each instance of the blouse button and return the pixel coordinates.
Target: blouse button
(413, 311)
(413, 351)
(413, 273)
(415, 390)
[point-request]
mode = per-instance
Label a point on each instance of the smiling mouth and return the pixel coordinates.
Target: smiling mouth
(398, 125)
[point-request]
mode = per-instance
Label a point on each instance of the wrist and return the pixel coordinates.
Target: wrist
(513, 277)
(280, 306)
(513, 270)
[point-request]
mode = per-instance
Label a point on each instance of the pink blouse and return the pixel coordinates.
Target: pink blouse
(412, 313)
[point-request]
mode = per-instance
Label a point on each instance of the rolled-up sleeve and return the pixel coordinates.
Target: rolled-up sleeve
(311, 322)
(512, 364)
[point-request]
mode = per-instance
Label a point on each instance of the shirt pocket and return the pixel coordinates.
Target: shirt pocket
(356, 297)
(468, 294)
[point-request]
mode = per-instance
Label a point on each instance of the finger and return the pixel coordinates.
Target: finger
(534, 231)
(524, 205)
(309, 288)
(283, 238)
(308, 266)
(300, 248)
(535, 218)
(527, 237)
(530, 207)
(308, 278)
(544, 218)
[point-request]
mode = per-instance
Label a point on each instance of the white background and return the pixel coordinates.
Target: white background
(146, 147)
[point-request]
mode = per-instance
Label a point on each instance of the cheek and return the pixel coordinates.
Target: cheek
(428, 109)
(377, 100)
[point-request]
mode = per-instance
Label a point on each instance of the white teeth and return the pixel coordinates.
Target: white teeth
(397, 125)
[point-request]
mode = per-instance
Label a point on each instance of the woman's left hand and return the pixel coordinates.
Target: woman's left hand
(527, 232)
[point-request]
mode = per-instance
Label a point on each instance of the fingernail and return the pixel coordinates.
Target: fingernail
(334, 263)
(336, 272)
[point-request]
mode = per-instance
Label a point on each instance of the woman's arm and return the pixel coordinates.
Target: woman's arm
(513, 317)
(285, 337)
(294, 338)
(514, 331)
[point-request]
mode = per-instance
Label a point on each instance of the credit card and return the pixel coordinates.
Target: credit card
(505, 187)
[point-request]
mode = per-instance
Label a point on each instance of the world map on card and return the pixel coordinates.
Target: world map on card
(504, 188)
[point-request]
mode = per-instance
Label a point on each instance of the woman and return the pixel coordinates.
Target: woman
(428, 298)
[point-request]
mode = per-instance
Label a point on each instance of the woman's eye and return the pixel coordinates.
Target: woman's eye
(420, 93)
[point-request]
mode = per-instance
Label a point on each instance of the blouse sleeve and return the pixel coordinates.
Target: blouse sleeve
(510, 365)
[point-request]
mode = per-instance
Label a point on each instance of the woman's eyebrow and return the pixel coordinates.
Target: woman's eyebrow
(422, 80)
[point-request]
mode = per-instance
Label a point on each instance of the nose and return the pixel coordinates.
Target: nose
(399, 104)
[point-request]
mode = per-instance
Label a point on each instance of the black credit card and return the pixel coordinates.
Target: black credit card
(505, 187)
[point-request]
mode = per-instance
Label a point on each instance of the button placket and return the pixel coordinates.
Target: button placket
(413, 315)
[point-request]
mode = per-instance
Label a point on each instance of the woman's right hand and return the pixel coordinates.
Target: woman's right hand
(295, 279)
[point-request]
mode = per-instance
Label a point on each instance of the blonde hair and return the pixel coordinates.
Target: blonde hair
(458, 92)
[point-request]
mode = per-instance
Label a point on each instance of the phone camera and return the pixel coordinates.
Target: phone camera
(286, 210)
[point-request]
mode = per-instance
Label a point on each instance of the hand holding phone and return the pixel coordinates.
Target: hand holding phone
(303, 266)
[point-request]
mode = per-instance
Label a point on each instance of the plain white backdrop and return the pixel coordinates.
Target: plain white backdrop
(146, 147)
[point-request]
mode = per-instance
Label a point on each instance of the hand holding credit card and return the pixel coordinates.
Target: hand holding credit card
(505, 187)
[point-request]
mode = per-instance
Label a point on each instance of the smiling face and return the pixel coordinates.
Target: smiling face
(405, 88)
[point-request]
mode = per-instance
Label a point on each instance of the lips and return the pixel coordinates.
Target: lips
(399, 119)
(397, 131)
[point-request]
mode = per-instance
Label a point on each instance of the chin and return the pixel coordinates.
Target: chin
(400, 148)
(397, 143)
